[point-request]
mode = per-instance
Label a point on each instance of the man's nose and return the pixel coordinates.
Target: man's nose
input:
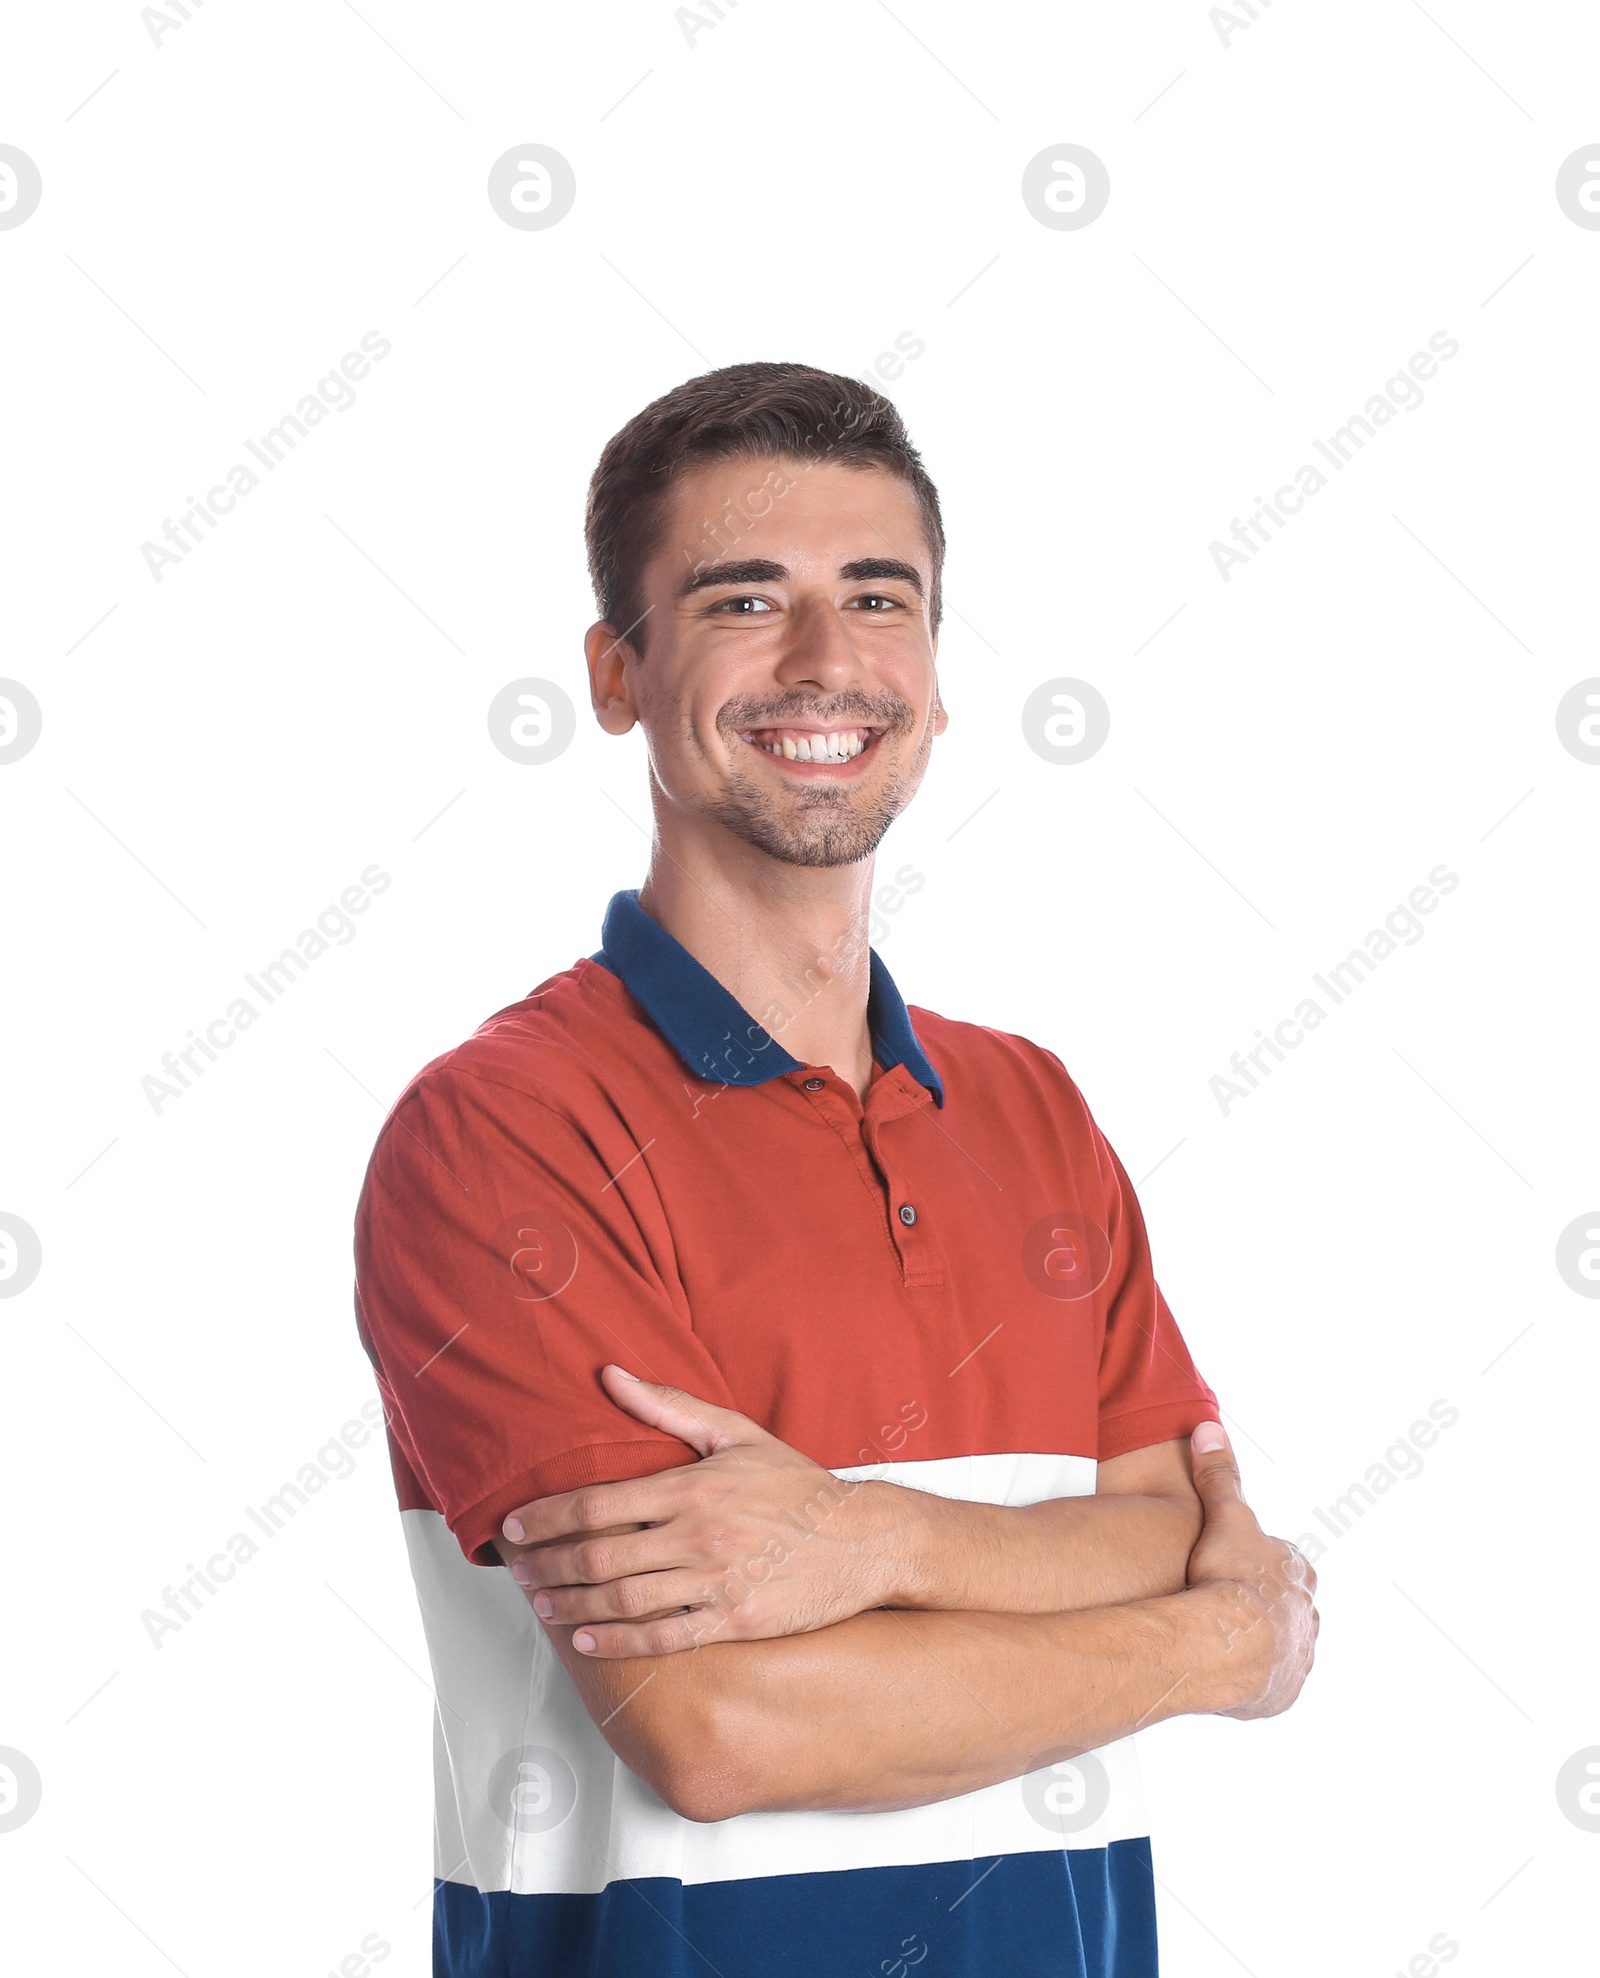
(818, 648)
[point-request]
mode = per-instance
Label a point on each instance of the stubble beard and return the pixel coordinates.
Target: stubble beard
(818, 824)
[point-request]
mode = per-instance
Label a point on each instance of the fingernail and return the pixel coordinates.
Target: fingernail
(513, 1529)
(1208, 1436)
(626, 1376)
(519, 1572)
(583, 1640)
(543, 1606)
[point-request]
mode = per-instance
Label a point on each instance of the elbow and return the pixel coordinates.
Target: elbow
(703, 1790)
(701, 1768)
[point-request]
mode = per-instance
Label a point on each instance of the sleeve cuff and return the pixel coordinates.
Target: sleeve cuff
(1119, 1434)
(477, 1527)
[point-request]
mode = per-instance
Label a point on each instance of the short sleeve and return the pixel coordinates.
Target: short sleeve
(1149, 1389)
(502, 1258)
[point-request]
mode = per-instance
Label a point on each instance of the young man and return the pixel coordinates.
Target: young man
(798, 1353)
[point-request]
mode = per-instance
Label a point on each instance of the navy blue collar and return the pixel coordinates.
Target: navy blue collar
(714, 1035)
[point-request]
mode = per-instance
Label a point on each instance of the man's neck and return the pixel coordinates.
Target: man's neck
(789, 942)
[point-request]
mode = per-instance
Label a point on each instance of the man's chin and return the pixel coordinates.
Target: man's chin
(821, 841)
(832, 848)
(819, 858)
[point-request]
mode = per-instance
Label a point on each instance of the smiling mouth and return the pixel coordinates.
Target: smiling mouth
(813, 746)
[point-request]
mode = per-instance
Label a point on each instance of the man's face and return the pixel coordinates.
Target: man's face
(787, 687)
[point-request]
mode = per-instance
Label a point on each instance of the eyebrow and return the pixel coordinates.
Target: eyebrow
(760, 570)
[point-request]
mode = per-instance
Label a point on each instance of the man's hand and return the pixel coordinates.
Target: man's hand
(755, 1540)
(1262, 1587)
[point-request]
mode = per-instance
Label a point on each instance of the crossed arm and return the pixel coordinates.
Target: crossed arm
(867, 1646)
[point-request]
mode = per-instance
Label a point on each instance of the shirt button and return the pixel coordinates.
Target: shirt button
(908, 1215)
(815, 1084)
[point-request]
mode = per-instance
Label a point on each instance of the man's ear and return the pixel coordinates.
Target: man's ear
(610, 690)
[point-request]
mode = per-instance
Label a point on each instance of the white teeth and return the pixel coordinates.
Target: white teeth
(842, 747)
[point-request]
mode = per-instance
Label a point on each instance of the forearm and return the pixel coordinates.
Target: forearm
(1048, 1558)
(901, 1709)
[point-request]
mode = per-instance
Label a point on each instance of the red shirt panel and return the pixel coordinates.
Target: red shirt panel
(560, 1191)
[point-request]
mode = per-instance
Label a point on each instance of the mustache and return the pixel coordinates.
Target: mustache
(850, 708)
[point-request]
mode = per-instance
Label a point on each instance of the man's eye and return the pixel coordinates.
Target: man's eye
(744, 607)
(874, 599)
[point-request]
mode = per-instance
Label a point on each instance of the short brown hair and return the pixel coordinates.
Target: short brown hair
(743, 411)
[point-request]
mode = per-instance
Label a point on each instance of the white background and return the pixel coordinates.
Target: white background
(1291, 751)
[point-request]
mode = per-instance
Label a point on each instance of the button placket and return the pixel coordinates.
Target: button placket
(841, 1112)
(921, 1260)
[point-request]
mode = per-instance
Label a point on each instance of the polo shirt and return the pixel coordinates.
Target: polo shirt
(947, 1285)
